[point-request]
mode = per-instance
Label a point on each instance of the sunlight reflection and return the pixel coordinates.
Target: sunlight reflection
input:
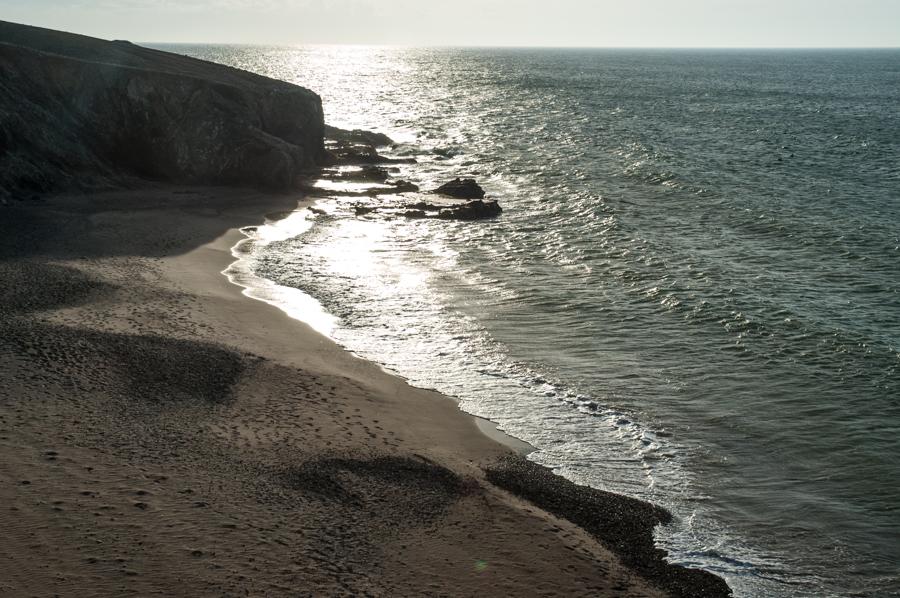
(361, 74)
(294, 302)
(365, 253)
(327, 185)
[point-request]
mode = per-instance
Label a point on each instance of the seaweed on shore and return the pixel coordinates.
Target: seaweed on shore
(622, 524)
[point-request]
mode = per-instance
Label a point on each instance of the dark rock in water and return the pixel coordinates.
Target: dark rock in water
(461, 189)
(83, 113)
(402, 186)
(358, 154)
(358, 147)
(361, 210)
(473, 210)
(357, 136)
(393, 188)
(374, 173)
(352, 154)
(422, 205)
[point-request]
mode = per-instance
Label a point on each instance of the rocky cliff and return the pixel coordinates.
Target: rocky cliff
(81, 113)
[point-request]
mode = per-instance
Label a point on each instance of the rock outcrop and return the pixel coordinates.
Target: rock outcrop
(436, 205)
(472, 210)
(358, 136)
(357, 148)
(82, 113)
(477, 209)
(461, 189)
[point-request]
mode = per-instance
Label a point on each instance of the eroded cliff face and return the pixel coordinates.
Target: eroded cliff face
(82, 113)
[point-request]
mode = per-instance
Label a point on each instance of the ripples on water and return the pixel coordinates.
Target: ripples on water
(691, 297)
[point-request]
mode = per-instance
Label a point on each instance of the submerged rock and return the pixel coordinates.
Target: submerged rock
(402, 186)
(357, 136)
(361, 210)
(477, 208)
(356, 154)
(473, 210)
(461, 189)
(470, 210)
(444, 153)
(358, 147)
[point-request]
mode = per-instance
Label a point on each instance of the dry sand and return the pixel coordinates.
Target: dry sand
(162, 434)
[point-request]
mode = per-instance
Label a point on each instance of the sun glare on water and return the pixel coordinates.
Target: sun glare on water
(293, 302)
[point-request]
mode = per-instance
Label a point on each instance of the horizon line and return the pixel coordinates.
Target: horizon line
(538, 46)
(513, 46)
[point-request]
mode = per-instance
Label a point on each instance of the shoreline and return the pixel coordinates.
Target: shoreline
(285, 299)
(201, 410)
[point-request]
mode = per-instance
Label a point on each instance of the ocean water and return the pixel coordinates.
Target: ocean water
(691, 296)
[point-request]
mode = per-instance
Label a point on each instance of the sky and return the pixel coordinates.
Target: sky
(586, 23)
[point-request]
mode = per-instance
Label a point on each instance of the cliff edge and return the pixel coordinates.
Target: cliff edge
(82, 113)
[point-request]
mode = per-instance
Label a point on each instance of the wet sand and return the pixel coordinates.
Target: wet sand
(163, 434)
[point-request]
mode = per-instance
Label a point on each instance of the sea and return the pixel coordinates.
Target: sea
(692, 295)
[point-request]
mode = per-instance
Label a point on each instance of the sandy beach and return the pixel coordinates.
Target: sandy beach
(309, 299)
(163, 434)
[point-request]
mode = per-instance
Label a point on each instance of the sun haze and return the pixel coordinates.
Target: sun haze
(588, 23)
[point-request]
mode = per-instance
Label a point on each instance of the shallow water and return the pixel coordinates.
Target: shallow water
(691, 297)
